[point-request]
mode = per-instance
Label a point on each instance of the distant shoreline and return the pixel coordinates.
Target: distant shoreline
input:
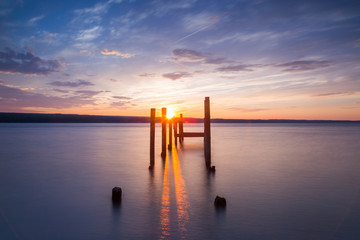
(75, 118)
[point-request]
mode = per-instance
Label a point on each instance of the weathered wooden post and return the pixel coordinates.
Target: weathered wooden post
(163, 133)
(152, 137)
(181, 129)
(170, 134)
(207, 135)
(175, 130)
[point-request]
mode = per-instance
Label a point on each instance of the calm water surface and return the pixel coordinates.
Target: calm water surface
(281, 181)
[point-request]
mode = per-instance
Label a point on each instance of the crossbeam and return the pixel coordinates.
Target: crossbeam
(192, 134)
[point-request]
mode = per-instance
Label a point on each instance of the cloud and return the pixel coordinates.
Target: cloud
(122, 97)
(26, 63)
(147, 75)
(217, 61)
(304, 65)
(249, 109)
(15, 99)
(115, 80)
(89, 34)
(334, 94)
(78, 83)
(92, 15)
(235, 68)
(117, 53)
(187, 55)
(33, 20)
(164, 7)
(60, 90)
(176, 75)
(88, 93)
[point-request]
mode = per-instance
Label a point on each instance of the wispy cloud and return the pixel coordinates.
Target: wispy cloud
(89, 34)
(304, 65)
(235, 68)
(197, 23)
(117, 53)
(122, 97)
(26, 63)
(34, 20)
(189, 55)
(249, 109)
(17, 99)
(333, 94)
(88, 93)
(146, 75)
(78, 83)
(177, 75)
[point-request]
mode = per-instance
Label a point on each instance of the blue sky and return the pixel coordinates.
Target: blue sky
(255, 59)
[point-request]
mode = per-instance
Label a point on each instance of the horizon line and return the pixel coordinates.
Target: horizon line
(189, 118)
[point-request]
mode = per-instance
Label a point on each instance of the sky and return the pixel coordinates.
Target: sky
(255, 59)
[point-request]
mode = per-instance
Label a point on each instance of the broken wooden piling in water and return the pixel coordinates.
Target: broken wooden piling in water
(152, 137)
(170, 135)
(175, 130)
(207, 135)
(163, 133)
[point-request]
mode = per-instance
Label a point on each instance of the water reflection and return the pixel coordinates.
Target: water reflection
(173, 180)
(165, 204)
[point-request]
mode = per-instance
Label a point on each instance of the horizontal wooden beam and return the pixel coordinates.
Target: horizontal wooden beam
(192, 134)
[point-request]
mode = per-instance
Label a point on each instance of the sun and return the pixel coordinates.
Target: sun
(170, 114)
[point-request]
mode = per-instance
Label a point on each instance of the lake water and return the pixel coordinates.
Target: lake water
(281, 181)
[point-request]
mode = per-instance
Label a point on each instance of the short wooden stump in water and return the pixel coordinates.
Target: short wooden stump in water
(116, 194)
(220, 202)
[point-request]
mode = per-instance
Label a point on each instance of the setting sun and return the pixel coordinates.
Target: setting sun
(170, 114)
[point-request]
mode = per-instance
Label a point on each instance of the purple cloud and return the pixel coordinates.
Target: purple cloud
(26, 63)
(122, 97)
(176, 75)
(333, 94)
(77, 83)
(14, 99)
(235, 68)
(304, 65)
(187, 55)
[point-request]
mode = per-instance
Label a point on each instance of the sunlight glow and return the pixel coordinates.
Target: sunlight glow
(170, 114)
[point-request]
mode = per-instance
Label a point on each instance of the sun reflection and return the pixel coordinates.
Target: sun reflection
(182, 203)
(183, 206)
(165, 206)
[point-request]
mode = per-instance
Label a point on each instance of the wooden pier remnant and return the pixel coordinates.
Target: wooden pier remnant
(174, 125)
(207, 134)
(163, 132)
(152, 137)
(181, 129)
(170, 135)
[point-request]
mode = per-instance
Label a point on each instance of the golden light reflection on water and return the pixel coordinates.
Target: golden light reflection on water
(182, 203)
(165, 205)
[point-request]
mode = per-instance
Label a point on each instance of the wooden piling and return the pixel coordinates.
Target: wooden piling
(175, 130)
(163, 133)
(181, 129)
(207, 135)
(152, 137)
(170, 134)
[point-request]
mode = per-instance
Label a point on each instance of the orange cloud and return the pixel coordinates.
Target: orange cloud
(117, 53)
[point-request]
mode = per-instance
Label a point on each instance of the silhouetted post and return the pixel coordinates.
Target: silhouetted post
(170, 135)
(175, 131)
(152, 137)
(207, 136)
(181, 129)
(163, 135)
